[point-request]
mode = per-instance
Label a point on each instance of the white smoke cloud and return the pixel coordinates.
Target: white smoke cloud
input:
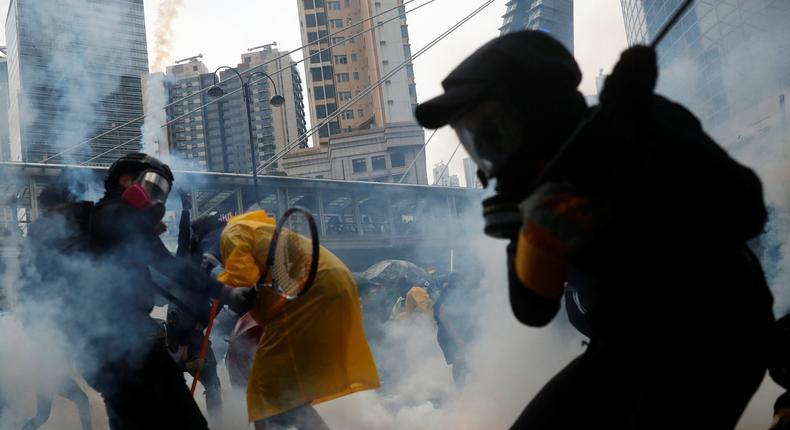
(164, 37)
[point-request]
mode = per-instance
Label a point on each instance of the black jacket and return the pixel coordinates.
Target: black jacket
(670, 258)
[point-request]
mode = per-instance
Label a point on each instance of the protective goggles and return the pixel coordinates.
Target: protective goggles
(155, 185)
(490, 133)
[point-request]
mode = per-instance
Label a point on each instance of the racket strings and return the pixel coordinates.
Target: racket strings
(292, 262)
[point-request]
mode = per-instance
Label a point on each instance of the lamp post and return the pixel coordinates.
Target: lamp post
(276, 101)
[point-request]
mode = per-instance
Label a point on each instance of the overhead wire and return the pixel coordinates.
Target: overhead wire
(229, 93)
(248, 71)
(417, 157)
(369, 89)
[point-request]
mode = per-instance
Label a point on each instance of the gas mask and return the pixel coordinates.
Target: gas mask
(149, 192)
(493, 134)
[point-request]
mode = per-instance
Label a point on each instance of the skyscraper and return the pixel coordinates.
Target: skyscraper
(376, 138)
(4, 136)
(551, 16)
(470, 174)
(288, 121)
(216, 137)
(336, 75)
(74, 71)
(722, 57)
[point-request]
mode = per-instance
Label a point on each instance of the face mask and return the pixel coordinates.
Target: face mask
(492, 134)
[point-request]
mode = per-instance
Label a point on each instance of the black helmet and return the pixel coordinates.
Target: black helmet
(133, 164)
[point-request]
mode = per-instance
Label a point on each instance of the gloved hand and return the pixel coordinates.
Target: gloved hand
(186, 200)
(239, 299)
(195, 365)
(557, 218)
(556, 223)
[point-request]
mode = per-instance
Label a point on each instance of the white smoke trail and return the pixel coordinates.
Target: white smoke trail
(164, 37)
(155, 139)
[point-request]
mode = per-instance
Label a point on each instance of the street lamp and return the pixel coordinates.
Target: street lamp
(276, 101)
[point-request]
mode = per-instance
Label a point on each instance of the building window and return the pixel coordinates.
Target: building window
(407, 51)
(338, 40)
(308, 4)
(314, 56)
(320, 111)
(360, 113)
(312, 36)
(349, 114)
(336, 23)
(310, 20)
(413, 90)
(354, 57)
(404, 32)
(333, 5)
(318, 93)
(344, 95)
(342, 59)
(330, 91)
(398, 159)
(378, 162)
(356, 76)
(330, 108)
(359, 165)
(320, 18)
(328, 72)
(326, 55)
(319, 3)
(315, 72)
(342, 77)
(322, 34)
(348, 3)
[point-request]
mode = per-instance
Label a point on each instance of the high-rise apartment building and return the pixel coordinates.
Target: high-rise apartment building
(338, 74)
(4, 136)
(470, 174)
(442, 176)
(554, 17)
(215, 137)
(722, 57)
(73, 74)
(376, 138)
(289, 121)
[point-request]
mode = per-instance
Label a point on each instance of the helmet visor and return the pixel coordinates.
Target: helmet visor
(156, 185)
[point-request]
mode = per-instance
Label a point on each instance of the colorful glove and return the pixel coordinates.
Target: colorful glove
(557, 223)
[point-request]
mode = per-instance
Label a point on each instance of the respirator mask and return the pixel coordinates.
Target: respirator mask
(493, 135)
(149, 192)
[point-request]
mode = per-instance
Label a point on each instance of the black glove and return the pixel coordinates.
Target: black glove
(186, 200)
(239, 299)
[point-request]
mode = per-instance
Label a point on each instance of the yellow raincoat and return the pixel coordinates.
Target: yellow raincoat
(313, 349)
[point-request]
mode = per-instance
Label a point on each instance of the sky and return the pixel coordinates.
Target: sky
(223, 31)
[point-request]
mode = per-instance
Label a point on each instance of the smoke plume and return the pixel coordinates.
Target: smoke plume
(164, 37)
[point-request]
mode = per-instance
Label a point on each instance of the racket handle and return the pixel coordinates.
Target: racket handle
(204, 348)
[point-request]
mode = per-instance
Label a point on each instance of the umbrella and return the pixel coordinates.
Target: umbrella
(389, 272)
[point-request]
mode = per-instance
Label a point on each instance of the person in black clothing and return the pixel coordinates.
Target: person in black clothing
(453, 312)
(45, 237)
(124, 361)
(642, 208)
(184, 341)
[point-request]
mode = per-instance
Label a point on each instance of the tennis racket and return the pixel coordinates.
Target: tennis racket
(292, 262)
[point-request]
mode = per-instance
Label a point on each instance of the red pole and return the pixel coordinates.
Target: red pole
(204, 348)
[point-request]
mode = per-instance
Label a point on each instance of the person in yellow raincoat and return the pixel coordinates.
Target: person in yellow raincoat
(313, 349)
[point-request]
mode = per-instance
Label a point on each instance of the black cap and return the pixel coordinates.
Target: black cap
(530, 62)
